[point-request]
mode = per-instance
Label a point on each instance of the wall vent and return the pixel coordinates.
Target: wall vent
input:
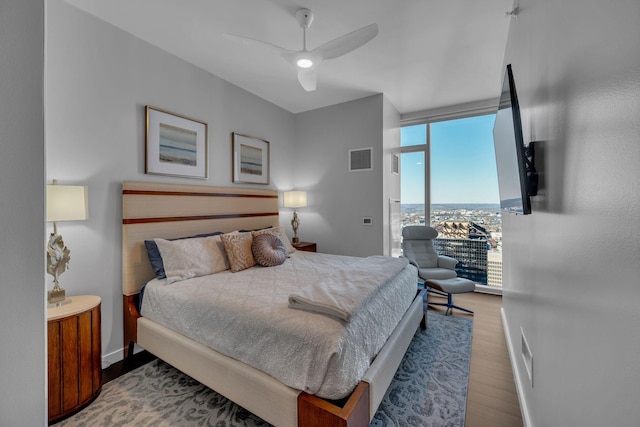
(395, 164)
(361, 159)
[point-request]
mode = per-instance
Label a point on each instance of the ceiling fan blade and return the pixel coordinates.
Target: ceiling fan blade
(348, 42)
(260, 44)
(308, 79)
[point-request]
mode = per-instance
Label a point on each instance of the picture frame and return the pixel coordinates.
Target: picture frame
(175, 145)
(250, 159)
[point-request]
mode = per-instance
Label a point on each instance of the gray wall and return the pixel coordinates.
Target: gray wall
(571, 268)
(99, 79)
(338, 199)
(22, 235)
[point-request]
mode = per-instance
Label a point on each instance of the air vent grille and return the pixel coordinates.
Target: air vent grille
(361, 159)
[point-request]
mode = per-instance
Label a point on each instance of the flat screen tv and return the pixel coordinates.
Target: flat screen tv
(517, 179)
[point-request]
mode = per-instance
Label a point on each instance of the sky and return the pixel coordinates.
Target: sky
(463, 164)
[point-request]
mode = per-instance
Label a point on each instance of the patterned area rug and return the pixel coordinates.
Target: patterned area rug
(429, 389)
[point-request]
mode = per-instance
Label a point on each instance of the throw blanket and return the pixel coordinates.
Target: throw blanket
(343, 293)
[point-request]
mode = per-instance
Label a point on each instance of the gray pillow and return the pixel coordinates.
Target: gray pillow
(268, 250)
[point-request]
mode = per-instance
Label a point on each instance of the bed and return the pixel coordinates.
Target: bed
(168, 211)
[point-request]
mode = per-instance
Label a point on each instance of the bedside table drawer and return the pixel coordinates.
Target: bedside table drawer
(305, 246)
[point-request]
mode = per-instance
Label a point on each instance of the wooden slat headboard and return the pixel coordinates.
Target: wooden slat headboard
(168, 211)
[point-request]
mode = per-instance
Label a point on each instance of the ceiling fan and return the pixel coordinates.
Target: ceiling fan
(307, 61)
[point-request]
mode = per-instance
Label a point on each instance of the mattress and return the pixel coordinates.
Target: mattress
(245, 315)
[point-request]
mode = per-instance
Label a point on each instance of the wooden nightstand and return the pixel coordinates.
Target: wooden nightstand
(305, 246)
(75, 355)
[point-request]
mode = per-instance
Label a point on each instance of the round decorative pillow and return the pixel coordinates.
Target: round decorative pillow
(268, 250)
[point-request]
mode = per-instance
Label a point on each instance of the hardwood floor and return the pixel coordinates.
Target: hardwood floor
(492, 399)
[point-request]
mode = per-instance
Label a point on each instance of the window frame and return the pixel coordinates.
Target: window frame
(481, 108)
(484, 108)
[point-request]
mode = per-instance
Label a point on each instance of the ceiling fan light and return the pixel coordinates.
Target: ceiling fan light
(304, 63)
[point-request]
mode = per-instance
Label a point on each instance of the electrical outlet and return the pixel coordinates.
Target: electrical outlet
(527, 356)
(367, 220)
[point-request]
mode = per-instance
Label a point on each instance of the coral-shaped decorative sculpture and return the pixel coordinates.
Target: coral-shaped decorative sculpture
(57, 257)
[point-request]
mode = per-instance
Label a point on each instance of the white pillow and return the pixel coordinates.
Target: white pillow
(186, 258)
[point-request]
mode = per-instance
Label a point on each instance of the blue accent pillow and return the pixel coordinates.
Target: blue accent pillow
(156, 259)
(140, 296)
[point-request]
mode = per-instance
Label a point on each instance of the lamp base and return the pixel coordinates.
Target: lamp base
(56, 295)
(295, 240)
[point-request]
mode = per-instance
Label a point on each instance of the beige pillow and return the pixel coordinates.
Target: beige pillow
(238, 248)
(279, 233)
(186, 258)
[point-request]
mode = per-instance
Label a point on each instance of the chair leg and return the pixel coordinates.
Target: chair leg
(461, 308)
(449, 304)
(435, 291)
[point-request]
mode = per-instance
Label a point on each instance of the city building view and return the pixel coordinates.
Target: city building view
(451, 165)
(470, 233)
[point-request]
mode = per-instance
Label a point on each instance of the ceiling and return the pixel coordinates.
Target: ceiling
(428, 54)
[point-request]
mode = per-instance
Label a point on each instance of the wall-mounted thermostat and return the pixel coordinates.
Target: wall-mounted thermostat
(367, 220)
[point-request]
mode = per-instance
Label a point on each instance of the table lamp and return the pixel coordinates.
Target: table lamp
(295, 199)
(64, 203)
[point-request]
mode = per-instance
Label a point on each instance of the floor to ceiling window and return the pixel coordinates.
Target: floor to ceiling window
(449, 181)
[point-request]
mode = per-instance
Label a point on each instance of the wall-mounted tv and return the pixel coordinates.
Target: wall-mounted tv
(517, 178)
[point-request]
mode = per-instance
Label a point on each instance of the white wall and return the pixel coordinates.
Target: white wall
(571, 269)
(390, 182)
(339, 199)
(22, 235)
(99, 79)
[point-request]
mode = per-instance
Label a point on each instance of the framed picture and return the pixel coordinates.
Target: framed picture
(175, 145)
(250, 159)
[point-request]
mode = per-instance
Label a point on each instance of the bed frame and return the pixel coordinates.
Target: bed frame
(167, 210)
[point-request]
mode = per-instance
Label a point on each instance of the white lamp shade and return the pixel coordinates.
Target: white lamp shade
(294, 199)
(67, 203)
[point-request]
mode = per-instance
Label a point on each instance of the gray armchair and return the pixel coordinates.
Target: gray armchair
(417, 245)
(437, 271)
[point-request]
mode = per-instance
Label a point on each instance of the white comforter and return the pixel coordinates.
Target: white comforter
(245, 315)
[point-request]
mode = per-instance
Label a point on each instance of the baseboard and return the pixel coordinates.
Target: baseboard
(524, 409)
(118, 355)
(484, 289)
